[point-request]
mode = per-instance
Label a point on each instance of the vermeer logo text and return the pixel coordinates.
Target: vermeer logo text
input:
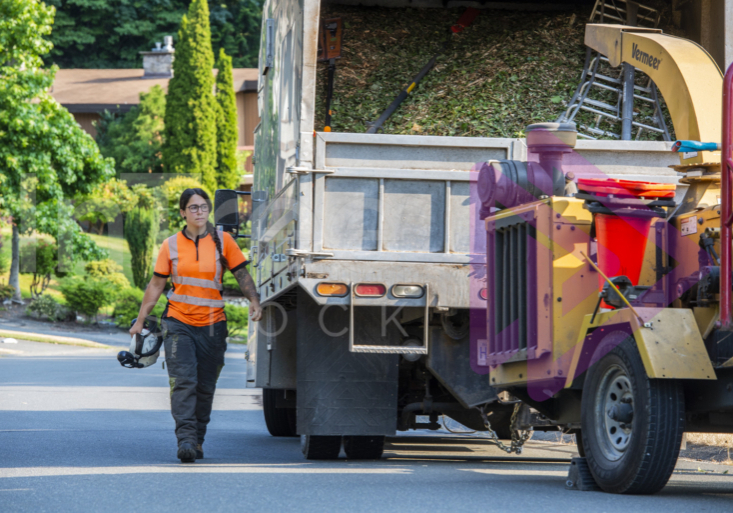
(644, 57)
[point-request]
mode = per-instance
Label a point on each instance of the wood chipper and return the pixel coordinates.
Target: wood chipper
(610, 304)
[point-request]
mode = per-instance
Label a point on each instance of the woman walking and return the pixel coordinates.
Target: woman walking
(194, 324)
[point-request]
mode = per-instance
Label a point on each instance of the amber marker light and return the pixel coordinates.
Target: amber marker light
(332, 289)
(370, 290)
(413, 291)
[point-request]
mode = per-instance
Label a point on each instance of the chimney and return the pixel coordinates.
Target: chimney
(158, 63)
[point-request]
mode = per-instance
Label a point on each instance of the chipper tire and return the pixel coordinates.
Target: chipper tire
(279, 421)
(317, 447)
(363, 447)
(630, 451)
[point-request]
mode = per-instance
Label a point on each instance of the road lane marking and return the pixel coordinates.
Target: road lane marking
(98, 398)
(509, 472)
(198, 468)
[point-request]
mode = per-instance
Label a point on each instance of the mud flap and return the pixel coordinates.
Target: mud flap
(339, 392)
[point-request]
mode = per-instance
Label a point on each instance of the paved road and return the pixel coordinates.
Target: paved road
(80, 433)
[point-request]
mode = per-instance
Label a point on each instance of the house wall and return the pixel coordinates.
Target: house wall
(247, 116)
(85, 120)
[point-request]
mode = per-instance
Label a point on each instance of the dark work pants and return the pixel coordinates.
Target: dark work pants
(194, 357)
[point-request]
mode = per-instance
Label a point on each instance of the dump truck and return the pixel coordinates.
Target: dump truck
(369, 255)
(609, 310)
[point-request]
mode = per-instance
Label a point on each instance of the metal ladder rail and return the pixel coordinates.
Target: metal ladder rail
(581, 100)
(617, 13)
(581, 97)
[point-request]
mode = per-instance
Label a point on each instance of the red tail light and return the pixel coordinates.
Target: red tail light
(483, 294)
(370, 290)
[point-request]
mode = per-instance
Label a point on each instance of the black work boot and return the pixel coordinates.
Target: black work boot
(199, 452)
(187, 452)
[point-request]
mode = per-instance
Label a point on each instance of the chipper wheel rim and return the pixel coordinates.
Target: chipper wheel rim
(614, 413)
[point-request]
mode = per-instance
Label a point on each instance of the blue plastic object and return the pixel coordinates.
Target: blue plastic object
(691, 146)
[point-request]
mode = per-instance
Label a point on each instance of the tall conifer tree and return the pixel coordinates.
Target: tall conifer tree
(227, 174)
(190, 111)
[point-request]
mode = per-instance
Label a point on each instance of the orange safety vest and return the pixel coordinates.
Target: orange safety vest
(197, 283)
(194, 282)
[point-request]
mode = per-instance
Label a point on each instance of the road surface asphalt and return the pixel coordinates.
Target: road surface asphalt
(80, 433)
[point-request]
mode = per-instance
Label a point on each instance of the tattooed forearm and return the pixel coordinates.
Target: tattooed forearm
(247, 285)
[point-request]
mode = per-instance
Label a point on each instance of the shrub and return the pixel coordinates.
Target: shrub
(6, 291)
(87, 295)
(237, 320)
(127, 306)
(46, 305)
(141, 228)
(108, 270)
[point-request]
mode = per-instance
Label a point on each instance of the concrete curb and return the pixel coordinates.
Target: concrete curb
(52, 339)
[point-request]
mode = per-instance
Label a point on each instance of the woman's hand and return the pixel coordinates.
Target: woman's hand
(137, 327)
(255, 310)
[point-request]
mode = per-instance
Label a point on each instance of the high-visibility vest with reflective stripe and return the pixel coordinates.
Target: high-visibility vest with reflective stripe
(196, 282)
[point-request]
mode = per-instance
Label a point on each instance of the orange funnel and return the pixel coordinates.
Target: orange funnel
(622, 238)
(621, 245)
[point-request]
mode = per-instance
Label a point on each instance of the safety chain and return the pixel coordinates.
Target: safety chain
(517, 439)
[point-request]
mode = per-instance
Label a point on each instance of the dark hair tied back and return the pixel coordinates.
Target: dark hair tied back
(183, 203)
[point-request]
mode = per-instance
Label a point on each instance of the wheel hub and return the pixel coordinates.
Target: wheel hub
(615, 413)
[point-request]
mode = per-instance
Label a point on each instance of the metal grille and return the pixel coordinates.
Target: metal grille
(513, 308)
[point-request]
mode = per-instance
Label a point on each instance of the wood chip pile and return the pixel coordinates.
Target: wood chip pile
(506, 71)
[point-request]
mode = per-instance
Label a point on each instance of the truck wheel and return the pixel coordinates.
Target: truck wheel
(280, 421)
(632, 426)
(363, 447)
(317, 447)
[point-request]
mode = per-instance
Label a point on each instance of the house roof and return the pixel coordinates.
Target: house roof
(94, 90)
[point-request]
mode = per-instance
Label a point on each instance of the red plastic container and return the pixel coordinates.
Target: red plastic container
(622, 239)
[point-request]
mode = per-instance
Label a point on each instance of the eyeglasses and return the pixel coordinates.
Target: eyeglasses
(195, 208)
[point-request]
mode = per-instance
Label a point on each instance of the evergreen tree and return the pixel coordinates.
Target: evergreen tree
(190, 110)
(141, 230)
(135, 139)
(227, 174)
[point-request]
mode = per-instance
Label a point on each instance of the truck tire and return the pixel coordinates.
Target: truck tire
(579, 443)
(279, 421)
(317, 447)
(363, 447)
(632, 426)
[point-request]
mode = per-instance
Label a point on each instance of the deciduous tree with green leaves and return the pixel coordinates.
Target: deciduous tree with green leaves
(45, 157)
(110, 33)
(227, 173)
(106, 201)
(190, 110)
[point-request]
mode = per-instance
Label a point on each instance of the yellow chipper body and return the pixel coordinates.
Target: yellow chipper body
(604, 295)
